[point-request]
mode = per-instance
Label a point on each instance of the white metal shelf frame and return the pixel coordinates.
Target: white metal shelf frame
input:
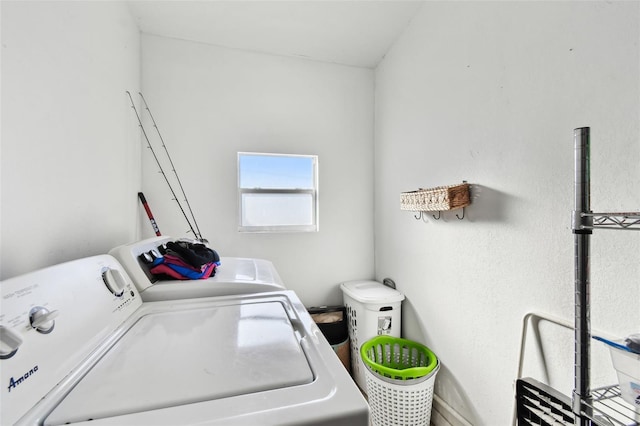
(607, 407)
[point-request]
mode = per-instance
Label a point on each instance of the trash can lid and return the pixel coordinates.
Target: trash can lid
(367, 291)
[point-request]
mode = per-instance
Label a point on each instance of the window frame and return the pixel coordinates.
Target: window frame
(313, 227)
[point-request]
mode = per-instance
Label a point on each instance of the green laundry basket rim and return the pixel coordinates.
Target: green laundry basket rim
(404, 373)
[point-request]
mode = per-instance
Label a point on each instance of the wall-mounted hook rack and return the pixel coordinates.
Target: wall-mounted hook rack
(438, 199)
(420, 215)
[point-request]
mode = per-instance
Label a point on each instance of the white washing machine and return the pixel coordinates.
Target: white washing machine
(79, 346)
(235, 275)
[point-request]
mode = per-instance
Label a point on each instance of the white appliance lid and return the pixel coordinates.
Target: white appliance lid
(371, 292)
(177, 357)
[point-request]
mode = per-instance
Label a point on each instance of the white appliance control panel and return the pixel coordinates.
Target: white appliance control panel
(42, 319)
(51, 320)
(114, 280)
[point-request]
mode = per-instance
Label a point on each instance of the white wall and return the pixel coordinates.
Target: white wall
(70, 153)
(490, 92)
(484, 91)
(211, 102)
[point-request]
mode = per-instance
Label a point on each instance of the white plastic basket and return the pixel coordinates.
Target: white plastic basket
(398, 394)
(403, 402)
(373, 309)
(627, 365)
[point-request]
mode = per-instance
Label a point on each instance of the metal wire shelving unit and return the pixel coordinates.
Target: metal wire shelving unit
(584, 222)
(537, 403)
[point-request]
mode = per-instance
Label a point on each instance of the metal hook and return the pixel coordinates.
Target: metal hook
(418, 217)
(436, 218)
(460, 218)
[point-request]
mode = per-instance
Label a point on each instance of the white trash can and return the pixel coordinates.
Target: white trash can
(373, 309)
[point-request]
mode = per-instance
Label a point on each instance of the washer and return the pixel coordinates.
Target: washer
(236, 275)
(78, 345)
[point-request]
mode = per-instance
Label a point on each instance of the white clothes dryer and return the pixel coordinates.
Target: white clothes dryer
(235, 275)
(79, 346)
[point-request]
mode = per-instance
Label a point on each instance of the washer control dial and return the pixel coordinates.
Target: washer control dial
(115, 281)
(10, 341)
(42, 319)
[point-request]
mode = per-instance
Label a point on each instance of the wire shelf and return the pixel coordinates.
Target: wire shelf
(609, 405)
(541, 405)
(628, 221)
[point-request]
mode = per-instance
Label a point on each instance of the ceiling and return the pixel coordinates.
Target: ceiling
(349, 32)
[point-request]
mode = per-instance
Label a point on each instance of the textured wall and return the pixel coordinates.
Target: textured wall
(70, 154)
(212, 102)
(490, 92)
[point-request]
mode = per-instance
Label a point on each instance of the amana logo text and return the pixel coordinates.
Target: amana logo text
(13, 383)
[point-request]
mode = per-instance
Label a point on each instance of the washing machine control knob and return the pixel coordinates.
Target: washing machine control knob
(42, 319)
(10, 341)
(115, 281)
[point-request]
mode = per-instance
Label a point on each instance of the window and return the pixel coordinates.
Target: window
(277, 192)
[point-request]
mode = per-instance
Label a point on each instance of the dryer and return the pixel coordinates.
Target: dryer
(79, 345)
(235, 275)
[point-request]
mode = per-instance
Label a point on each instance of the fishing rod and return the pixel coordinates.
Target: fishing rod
(198, 234)
(175, 197)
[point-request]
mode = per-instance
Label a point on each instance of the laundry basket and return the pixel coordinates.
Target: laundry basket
(373, 309)
(400, 377)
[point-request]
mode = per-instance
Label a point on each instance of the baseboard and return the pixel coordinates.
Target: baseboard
(442, 414)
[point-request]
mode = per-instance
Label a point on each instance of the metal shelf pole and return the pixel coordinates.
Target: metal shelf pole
(582, 225)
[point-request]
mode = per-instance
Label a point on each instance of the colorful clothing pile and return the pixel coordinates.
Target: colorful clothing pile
(183, 260)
